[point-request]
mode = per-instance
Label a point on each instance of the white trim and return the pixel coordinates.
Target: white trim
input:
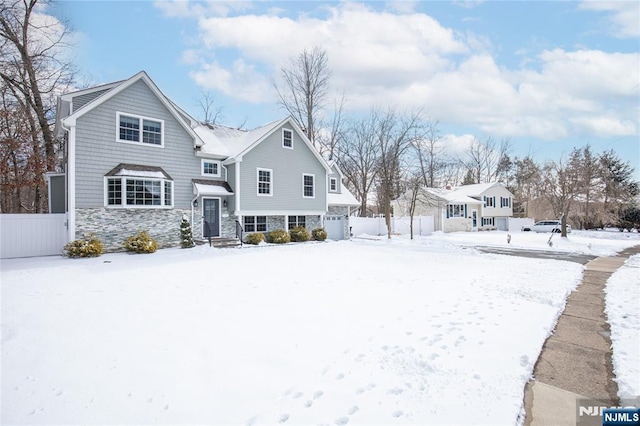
(219, 214)
(206, 160)
(124, 205)
(258, 193)
(255, 223)
(141, 119)
(237, 190)
(284, 129)
(71, 184)
(280, 212)
(336, 186)
(313, 187)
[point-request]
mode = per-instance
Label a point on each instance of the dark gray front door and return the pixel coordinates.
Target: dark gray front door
(211, 217)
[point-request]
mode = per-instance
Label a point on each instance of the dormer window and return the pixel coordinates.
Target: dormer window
(287, 138)
(137, 129)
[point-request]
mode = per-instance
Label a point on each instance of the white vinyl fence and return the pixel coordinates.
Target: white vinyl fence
(422, 225)
(516, 223)
(28, 235)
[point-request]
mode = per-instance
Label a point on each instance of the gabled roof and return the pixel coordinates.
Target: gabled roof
(235, 143)
(476, 189)
(345, 198)
(118, 87)
(452, 196)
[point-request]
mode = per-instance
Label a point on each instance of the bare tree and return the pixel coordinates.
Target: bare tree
(328, 142)
(561, 185)
(33, 66)
(429, 153)
(359, 157)
(305, 84)
(211, 114)
(484, 161)
(395, 135)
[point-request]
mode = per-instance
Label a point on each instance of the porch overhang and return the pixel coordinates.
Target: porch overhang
(203, 187)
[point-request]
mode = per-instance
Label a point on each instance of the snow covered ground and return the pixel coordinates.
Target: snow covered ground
(623, 314)
(363, 332)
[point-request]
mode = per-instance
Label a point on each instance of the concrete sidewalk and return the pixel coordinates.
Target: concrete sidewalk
(575, 362)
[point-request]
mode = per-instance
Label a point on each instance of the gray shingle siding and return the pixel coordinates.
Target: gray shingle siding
(288, 166)
(97, 150)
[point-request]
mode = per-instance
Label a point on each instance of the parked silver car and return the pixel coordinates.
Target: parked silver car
(546, 226)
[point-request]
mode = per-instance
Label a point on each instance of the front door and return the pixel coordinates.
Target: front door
(474, 220)
(210, 217)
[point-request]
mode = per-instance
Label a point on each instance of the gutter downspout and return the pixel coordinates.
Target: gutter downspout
(71, 182)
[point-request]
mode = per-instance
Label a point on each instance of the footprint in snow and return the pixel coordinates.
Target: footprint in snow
(353, 410)
(297, 395)
(397, 414)
(359, 391)
(524, 361)
(308, 403)
(284, 418)
(318, 394)
(342, 421)
(340, 376)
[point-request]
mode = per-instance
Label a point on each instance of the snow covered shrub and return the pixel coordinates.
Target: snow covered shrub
(141, 243)
(319, 234)
(279, 236)
(299, 234)
(254, 239)
(186, 237)
(89, 246)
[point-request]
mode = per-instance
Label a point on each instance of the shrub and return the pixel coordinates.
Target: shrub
(186, 237)
(319, 234)
(254, 239)
(299, 234)
(279, 236)
(141, 243)
(89, 246)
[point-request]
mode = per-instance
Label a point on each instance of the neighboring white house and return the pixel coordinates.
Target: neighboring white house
(464, 208)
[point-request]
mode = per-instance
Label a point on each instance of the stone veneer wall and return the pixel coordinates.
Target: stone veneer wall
(341, 211)
(113, 226)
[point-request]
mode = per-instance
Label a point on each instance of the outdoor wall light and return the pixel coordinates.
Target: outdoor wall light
(224, 203)
(195, 203)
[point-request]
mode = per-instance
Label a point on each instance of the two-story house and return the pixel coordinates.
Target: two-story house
(463, 208)
(136, 161)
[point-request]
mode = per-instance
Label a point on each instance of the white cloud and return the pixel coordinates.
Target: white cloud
(624, 16)
(410, 60)
(188, 8)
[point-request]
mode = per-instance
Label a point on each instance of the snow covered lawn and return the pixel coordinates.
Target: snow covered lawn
(399, 332)
(623, 314)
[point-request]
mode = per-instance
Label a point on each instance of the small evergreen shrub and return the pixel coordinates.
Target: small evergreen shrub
(319, 234)
(279, 236)
(89, 246)
(141, 243)
(186, 237)
(299, 234)
(254, 239)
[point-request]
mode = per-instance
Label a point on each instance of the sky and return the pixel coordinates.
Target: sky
(550, 76)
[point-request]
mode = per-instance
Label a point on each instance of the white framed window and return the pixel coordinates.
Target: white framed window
(487, 221)
(265, 182)
(210, 168)
(137, 192)
(287, 138)
(489, 201)
(333, 184)
(139, 130)
(293, 221)
(254, 223)
(505, 201)
(308, 186)
(456, 210)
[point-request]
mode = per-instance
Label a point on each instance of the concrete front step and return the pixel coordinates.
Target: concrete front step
(221, 242)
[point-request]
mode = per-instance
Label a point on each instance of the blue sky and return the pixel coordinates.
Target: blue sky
(548, 75)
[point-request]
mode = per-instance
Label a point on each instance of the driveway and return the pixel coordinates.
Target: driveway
(582, 259)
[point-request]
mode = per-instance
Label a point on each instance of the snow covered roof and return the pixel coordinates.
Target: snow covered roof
(452, 196)
(475, 189)
(345, 198)
(137, 170)
(211, 187)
